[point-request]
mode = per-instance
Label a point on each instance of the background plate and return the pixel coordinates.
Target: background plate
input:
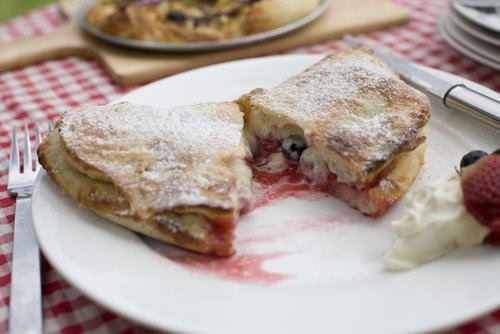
(310, 264)
(487, 20)
(477, 31)
(199, 46)
(467, 45)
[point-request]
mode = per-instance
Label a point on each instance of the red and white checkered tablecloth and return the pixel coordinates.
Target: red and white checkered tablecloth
(41, 92)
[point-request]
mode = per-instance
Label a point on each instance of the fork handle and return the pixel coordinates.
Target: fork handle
(25, 315)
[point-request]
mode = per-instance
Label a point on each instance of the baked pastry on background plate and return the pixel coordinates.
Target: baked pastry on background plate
(176, 175)
(185, 21)
(348, 123)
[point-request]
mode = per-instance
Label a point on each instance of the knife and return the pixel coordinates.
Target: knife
(456, 96)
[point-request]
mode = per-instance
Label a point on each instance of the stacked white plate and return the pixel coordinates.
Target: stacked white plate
(473, 32)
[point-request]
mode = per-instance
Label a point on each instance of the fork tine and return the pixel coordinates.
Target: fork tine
(28, 161)
(14, 153)
(38, 141)
(38, 135)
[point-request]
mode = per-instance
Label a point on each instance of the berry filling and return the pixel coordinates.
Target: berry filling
(222, 235)
(208, 14)
(291, 162)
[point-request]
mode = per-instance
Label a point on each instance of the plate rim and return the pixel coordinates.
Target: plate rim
(461, 35)
(162, 47)
(173, 325)
(464, 12)
(458, 46)
(473, 29)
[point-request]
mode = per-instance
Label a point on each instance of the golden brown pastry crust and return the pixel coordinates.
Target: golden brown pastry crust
(271, 14)
(350, 106)
(160, 159)
(363, 127)
(202, 23)
(395, 181)
(160, 183)
(179, 175)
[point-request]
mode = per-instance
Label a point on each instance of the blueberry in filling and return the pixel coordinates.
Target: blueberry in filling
(292, 147)
(180, 17)
(176, 15)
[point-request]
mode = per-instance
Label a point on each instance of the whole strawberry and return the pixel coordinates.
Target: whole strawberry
(481, 190)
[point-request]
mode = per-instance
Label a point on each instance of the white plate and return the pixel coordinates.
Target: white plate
(487, 20)
(325, 259)
(475, 30)
(469, 46)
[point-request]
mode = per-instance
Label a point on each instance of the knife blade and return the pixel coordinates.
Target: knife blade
(457, 96)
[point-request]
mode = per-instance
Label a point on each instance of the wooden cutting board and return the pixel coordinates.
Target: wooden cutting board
(131, 67)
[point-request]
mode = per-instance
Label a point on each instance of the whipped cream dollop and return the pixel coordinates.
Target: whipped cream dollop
(435, 224)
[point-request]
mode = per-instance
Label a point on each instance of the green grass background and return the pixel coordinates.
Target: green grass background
(13, 8)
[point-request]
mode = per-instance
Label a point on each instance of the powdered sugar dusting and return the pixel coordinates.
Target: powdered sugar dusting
(160, 158)
(352, 103)
(316, 92)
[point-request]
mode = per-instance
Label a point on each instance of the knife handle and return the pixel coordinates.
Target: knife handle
(475, 104)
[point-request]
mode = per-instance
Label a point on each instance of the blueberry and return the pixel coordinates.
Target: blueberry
(292, 147)
(148, 2)
(233, 12)
(471, 158)
(176, 15)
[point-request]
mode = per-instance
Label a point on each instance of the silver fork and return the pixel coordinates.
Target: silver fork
(25, 287)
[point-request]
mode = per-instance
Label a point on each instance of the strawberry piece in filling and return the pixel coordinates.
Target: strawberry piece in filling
(270, 167)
